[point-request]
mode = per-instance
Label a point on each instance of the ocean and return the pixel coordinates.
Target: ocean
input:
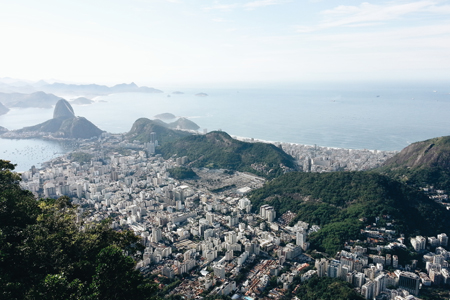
(377, 116)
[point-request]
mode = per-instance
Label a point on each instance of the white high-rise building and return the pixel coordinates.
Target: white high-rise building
(418, 243)
(270, 214)
(443, 239)
(244, 203)
(301, 238)
(210, 218)
(156, 234)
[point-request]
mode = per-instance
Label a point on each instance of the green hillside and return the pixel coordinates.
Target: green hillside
(422, 163)
(142, 128)
(336, 201)
(219, 150)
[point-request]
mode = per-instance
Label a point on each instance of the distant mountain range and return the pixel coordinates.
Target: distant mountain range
(36, 99)
(8, 85)
(95, 89)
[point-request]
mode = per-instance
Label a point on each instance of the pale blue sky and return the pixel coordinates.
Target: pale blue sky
(180, 41)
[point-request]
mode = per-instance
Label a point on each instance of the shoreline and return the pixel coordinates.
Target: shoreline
(256, 140)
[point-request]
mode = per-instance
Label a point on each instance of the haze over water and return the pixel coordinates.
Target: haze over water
(356, 116)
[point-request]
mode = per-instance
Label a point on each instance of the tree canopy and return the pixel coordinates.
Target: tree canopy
(45, 253)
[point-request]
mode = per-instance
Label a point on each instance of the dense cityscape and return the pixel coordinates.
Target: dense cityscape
(202, 236)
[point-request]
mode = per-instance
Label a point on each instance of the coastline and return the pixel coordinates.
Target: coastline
(256, 140)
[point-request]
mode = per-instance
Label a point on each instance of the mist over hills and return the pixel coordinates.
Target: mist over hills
(36, 99)
(95, 89)
(3, 109)
(13, 87)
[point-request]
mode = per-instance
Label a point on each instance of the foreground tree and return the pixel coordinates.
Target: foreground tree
(46, 254)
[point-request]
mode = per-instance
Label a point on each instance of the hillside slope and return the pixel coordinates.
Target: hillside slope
(336, 201)
(219, 150)
(422, 163)
(143, 127)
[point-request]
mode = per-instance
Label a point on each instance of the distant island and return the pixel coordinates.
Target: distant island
(64, 124)
(81, 101)
(201, 95)
(165, 116)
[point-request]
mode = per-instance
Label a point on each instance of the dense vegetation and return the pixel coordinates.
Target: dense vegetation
(81, 157)
(326, 288)
(181, 173)
(422, 163)
(142, 128)
(45, 253)
(336, 202)
(219, 150)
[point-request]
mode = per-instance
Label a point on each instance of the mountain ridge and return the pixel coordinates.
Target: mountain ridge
(217, 149)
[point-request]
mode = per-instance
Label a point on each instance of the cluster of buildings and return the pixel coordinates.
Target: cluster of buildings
(212, 242)
(327, 159)
(381, 277)
(438, 196)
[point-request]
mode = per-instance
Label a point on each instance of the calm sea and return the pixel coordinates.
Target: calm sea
(383, 116)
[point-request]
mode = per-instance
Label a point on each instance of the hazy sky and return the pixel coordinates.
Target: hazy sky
(203, 41)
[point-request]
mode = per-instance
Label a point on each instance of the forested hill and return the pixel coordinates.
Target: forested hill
(336, 201)
(422, 163)
(142, 128)
(219, 150)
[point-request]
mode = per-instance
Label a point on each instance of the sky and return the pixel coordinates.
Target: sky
(155, 42)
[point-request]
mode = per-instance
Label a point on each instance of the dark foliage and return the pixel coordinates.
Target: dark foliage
(326, 288)
(219, 150)
(46, 254)
(81, 157)
(181, 173)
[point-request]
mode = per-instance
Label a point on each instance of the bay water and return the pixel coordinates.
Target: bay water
(382, 116)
